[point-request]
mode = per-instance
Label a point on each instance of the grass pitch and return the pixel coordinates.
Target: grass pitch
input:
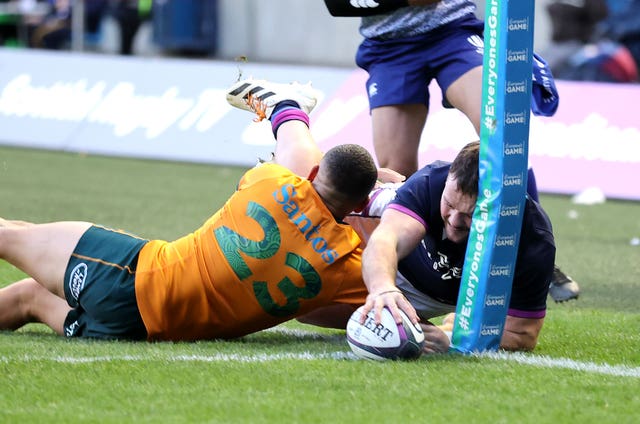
(585, 369)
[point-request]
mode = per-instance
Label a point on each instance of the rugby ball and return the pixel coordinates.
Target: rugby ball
(386, 340)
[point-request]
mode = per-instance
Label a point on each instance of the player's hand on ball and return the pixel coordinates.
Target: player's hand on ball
(385, 340)
(435, 340)
(394, 300)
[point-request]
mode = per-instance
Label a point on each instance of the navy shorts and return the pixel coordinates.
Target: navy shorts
(99, 284)
(400, 70)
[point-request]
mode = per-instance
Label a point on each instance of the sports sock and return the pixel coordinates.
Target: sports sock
(287, 110)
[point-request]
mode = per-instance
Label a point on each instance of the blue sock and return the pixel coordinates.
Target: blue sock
(284, 105)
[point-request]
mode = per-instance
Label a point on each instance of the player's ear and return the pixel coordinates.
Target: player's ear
(313, 173)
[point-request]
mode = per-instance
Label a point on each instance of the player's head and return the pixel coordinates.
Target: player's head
(345, 177)
(464, 168)
(460, 193)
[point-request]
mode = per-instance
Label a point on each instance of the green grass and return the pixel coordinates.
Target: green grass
(298, 373)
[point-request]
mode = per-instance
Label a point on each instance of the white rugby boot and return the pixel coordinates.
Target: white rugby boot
(261, 97)
(562, 287)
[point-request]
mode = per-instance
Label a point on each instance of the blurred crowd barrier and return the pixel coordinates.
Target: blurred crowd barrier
(176, 109)
(276, 31)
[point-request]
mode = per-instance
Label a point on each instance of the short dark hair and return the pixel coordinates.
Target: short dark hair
(351, 170)
(464, 168)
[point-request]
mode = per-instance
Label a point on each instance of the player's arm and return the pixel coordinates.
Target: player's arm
(370, 7)
(521, 333)
(436, 338)
(332, 316)
(394, 238)
(397, 234)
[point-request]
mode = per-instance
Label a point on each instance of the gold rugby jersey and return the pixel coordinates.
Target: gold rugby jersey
(271, 253)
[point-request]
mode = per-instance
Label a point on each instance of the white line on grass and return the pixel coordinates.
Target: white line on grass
(522, 358)
(219, 357)
(548, 362)
(304, 333)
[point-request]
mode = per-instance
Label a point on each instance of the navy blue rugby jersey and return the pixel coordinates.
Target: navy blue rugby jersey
(435, 266)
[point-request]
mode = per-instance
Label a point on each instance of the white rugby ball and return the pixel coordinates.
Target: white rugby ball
(386, 340)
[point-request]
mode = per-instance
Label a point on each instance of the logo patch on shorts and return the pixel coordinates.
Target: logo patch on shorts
(373, 89)
(76, 279)
(477, 42)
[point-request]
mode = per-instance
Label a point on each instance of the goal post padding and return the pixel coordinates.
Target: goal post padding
(489, 264)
